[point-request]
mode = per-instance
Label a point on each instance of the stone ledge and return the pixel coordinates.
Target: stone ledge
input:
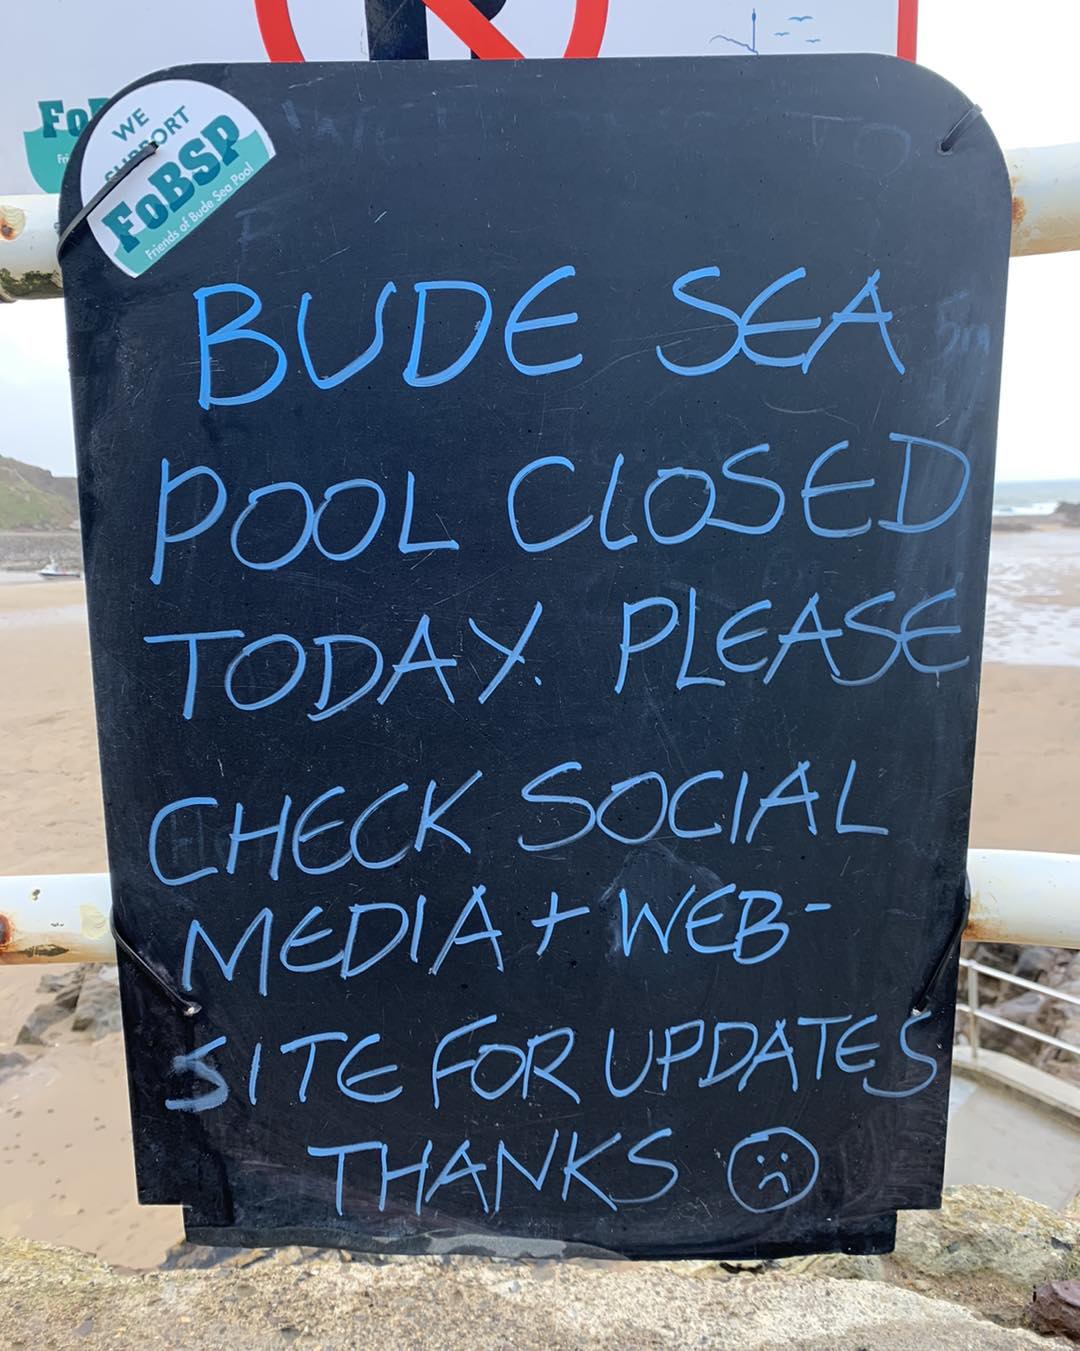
(57, 1298)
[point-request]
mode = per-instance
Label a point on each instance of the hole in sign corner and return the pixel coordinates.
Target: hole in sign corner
(463, 19)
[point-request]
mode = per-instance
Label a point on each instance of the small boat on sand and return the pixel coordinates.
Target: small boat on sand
(54, 571)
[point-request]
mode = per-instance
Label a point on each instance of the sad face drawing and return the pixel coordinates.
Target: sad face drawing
(772, 1169)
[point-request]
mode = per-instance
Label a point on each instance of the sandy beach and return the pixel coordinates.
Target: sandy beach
(66, 1173)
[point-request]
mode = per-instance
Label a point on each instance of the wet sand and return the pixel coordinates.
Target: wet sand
(66, 1173)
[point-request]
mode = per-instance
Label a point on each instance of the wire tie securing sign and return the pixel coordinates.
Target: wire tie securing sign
(957, 130)
(187, 1007)
(80, 217)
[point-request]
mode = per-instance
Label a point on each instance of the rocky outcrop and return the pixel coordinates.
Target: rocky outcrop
(56, 1298)
(81, 999)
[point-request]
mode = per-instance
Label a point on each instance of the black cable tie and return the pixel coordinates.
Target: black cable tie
(922, 1004)
(964, 124)
(187, 1007)
(80, 217)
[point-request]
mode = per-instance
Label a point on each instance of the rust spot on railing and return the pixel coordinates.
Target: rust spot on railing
(1019, 211)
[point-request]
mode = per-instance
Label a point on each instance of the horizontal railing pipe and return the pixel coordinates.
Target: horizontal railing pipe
(1016, 897)
(1045, 212)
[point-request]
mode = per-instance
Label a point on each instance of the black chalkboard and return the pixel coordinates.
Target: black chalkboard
(583, 474)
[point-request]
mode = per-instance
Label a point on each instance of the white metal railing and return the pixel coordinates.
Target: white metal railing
(975, 1013)
(1016, 897)
(1045, 210)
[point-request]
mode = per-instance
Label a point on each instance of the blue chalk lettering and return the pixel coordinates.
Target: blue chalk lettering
(301, 836)
(311, 1043)
(406, 544)
(620, 790)
(547, 1072)
(406, 666)
(851, 314)
(747, 329)
(262, 921)
(701, 832)
(326, 642)
(702, 916)
(162, 537)
(843, 1050)
(299, 663)
(452, 1173)
(852, 623)
(356, 912)
(797, 634)
(575, 1163)
(276, 832)
(361, 820)
(776, 798)
(254, 498)
(670, 1056)
(663, 932)
(766, 925)
(812, 490)
(429, 816)
(627, 648)
(898, 524)
(193, 640)
(194, 1063)
(253, 1073)
(456, 939)
(822, 1024)
(512, 654)
(418, 928)
(155, 829)
(529, 794)
(488, 1050)
(440, 1071)
(345, 1081)
(234, 331)
(609, 1057)
(726, 639)
(420, 1168)
(352, 485)
(908, 636)
(685, 680)
(511, 506)
(515, 324)
(411, 372)
(358, 363)
(767, 1055)
(696, 527)
(715, 1076)
(842, 826)
(298, 939)
(342, 1151)
(917, 1056)
(770, 485)
(556, 916)
(740, 798)
(635, 1156)
(679, 291)
(537, 1180)
(629, 538)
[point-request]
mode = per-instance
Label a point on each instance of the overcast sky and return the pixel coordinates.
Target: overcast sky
(1019, 63)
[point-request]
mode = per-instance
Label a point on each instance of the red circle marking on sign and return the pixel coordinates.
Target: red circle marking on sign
(477, 32)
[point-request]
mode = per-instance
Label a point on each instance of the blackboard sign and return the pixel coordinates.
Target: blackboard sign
(536, 524)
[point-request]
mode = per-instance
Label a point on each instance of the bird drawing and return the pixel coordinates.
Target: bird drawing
(799, 18)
